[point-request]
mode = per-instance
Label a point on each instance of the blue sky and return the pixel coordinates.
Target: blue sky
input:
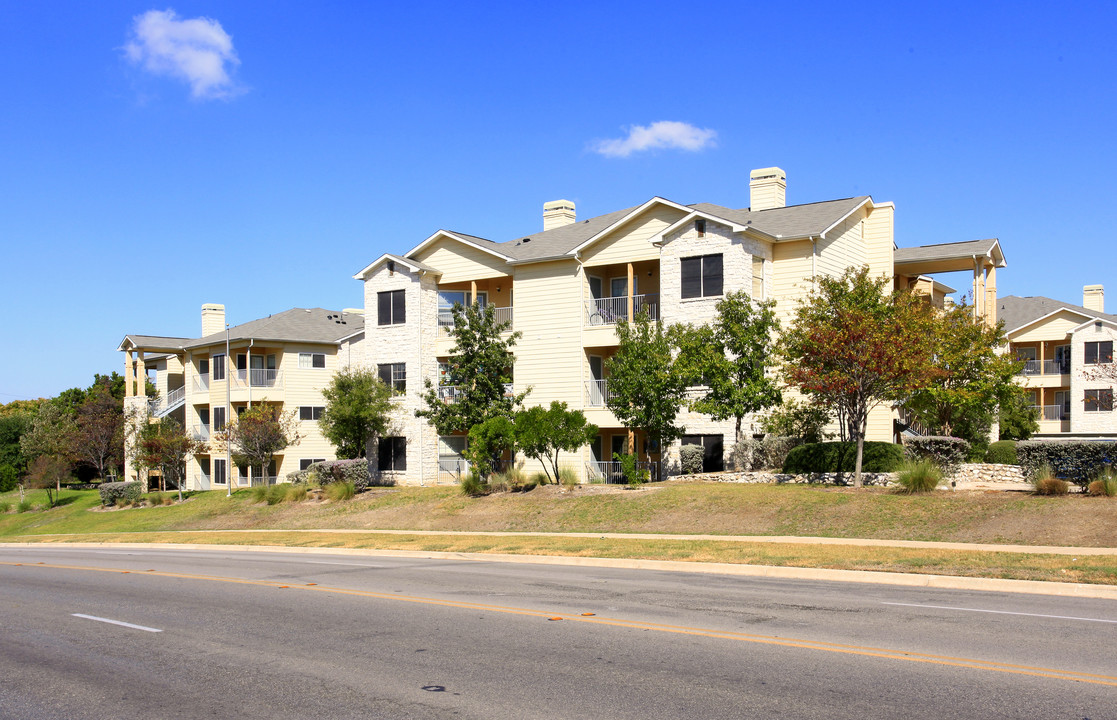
(258, 154)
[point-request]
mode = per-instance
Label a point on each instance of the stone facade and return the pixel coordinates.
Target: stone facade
(1083, 378)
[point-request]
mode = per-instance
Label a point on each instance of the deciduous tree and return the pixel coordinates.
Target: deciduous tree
(164, 445)
(358, 409)
(856, 346)
(257, 434)
(97, 439)
(542, 432)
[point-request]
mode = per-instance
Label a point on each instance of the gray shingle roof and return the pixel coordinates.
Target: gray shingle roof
(944, 250)
(314, 325)
(1016, 312)
(160, 342)
(561, 240)
(794, 221)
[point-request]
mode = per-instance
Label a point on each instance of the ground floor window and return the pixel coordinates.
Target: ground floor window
(392, 454)
(1099, 400)
(305, 463)
(713, 452)
(220, 476)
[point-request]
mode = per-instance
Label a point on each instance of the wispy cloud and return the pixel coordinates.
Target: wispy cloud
(197, 50)
(662, 134)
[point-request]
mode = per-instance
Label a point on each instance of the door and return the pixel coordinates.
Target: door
(1062, 358)
(1062, 406)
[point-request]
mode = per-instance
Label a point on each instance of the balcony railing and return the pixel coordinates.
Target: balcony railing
(597, 393)
(1053, 412)
(607, 311)
(258, 377)
(161, 406)
(1046, 367)
(451, 393)
(201, 382)
(611, 472)
(200, 432)
(452, 468)
(269, 480)
(500, 315)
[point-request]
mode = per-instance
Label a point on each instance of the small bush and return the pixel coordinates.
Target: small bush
(334, 471)
(5, 506)
(341, 491)
(296, 493)
(767, 453)
(276, 494)
(1105, 485)
(1002, 452)
(830, 457)
(632, 475)
(539, 478)
(919, 476)
(9, 478)
(943, 451)
(473, 486)
(24, 505)
(121, 493)
(690, 458)
(1076, 460)
(154, 499)
(1045, 482)
(568, 476)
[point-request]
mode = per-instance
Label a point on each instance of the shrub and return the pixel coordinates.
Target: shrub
(341, 491)
(831, 457)
(803, 422)
(473, 486)
(334, 471)
(941, 450)
(123, 493)
(259, 493)
(276, 494)
(539, 478)
(5, 506)
(1105, 485)
(296, 493)
(23, 506)
(919, 476)
(568, 476)
(632, 475)
(155, 499)
(1045, 482)
(1078, 461)
(690, 458)
(1002, 452)
(764, 454)
(977, 450)
(9, 478)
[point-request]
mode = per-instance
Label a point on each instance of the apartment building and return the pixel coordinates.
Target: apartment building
(284, 359)
(1068, 360)
(565, 288)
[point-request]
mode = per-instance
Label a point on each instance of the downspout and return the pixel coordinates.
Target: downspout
(419, 345)
(248, 370)
(814, 256)
(582, 344)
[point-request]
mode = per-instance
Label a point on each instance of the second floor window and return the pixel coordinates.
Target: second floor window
(1099, 400)
(701, 276)
(312, 360)
(218, 367)
(219, 418)
(1099, 353)
(310, 412)
(390, 308)
(394, 375)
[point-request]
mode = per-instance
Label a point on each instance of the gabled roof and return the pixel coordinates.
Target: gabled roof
(473, 241)
(1019, 312)
(565, 240)
(791, 222)
(414, 265)
(947, 257)
(310, 325)
(157, 343)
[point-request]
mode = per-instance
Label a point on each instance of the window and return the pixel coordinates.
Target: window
(757, 277)
(220, 477)
(203, 367)
(218, 367)
(309, 412)
(713, 454)
(1099, 400)
(390, 308)
(1099, 353)
(203, 416)
(312, 360)
(394, 375)
(305, 463)
(392, 454)
(701, 276)
(219, 418)
(700, 227)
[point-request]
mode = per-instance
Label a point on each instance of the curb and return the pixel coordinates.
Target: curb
(945, 582)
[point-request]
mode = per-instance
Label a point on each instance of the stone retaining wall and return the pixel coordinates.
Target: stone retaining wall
(967, 473)
(987, 473)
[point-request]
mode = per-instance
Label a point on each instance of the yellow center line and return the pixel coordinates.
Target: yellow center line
(866, 651)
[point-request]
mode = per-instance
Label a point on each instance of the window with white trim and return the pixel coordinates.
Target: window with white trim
(1099, 352)
(391, 307)
(394, 375)
(219, 418)
(312, 360)
(220, 476)
(701, 276)
(1100, 400)
(218, 367)
(305, 463)
(311, 412)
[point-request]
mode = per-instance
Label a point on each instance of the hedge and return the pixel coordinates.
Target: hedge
(690, 458)
(942, 450)
(764, 454)
(1076, 460)
(1002, 452)
(829, 457)
(129, 492)
(331, 471)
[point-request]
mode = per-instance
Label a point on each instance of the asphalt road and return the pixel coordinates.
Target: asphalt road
(215, 633)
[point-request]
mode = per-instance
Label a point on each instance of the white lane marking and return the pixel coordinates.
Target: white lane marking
(1001, 612)
(116, 622)
(327, 562)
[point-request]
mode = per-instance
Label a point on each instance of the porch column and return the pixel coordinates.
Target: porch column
(129, 374)
(248, 371)
(991, 295)
(631, 302)
(1042, 344)
(472, 292)
(141, 376)
(978, 290)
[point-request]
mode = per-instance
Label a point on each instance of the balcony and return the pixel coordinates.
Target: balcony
(451, 393)
(607, 311)
(501, 315)
(258, 378)
(597, 393)
(1045, 367)
(1053, 412)
(201, 382)
(200, 433)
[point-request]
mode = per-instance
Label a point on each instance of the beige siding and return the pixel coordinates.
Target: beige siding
(878, 232)
(791, 275)
(630, 242)
(843, 248)
(459, 262)
(1056, 327)
(548, 312)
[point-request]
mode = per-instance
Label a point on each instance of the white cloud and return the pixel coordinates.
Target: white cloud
(197, 50)
(662, 134)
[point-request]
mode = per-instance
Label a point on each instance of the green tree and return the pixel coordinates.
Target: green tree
(542, 432)
(489, 440)
(163, 445)
(970, 377)
(729, 357)
(358, 409)
(47, 473)
(257, 434)
(805, 421)
(97, 437)
(645, 389)
(855, 347)
(479, 366)
(1018, 418)
(51, 434)
(13, 426)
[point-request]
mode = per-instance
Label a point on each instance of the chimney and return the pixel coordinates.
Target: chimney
(213, 319)
(1093, 298)
(557, 213)
(767, 189)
